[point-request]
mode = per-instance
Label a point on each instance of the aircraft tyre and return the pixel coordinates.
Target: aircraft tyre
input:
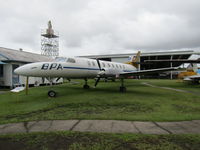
(86, 86)
(52, 93)
(122, 89)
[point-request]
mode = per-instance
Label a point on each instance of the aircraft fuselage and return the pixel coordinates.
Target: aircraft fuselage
(74, 68)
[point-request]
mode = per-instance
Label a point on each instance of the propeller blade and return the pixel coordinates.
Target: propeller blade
(99, 64)
(97, 81)
(58, 79)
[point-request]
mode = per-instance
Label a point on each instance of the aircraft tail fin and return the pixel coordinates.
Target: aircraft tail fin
(134, 60)
(192, 68)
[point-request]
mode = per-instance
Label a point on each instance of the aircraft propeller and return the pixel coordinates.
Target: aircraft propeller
(99, 75)
(58, 79)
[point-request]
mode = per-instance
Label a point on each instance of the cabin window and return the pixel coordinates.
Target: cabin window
(113, 66)
(103, 64)
(93, 63)
(120, 66)
(117, 65)
(123, 67)
(71, 60)
(108, 65)
(89, 64)
(1, 70)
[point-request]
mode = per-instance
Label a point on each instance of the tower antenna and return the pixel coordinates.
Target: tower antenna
(49, 42)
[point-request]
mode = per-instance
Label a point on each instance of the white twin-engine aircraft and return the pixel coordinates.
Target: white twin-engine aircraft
(83, 68)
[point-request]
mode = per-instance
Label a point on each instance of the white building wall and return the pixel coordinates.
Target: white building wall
(7, 74)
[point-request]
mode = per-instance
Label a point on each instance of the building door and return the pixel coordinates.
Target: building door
(15, 77)
(1, 74)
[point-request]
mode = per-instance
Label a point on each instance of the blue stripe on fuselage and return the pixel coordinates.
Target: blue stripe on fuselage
(93, 69)
(129, 70)
(81, 68)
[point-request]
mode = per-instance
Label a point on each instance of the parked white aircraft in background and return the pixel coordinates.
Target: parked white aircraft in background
(83, 68)
(192, 67)
(193, 78)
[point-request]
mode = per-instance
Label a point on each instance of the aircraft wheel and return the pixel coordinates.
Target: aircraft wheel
(122, 89)
(52, 93)
(86, 86)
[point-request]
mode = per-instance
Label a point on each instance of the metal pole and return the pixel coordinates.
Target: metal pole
(171, 77)
(27, 85)
(139, 66)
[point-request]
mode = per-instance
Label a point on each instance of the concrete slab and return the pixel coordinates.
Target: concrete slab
(172, 127)
(108, 126)
(196, 121)
(39, 126)
(94, 126)
(189, 127)
(62, 125)
(149, 128)
(3, 126)
(123, 127)
(13, 128)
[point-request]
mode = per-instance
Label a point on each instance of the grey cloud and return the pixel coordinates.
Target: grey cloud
(100, 27)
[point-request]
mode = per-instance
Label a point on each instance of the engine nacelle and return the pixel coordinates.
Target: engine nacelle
(107, 72)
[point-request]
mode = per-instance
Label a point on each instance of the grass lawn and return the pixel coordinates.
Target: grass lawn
(179, 84)
(140, 102)
(98, 141)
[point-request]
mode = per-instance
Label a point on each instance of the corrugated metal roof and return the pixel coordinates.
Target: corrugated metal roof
(21, 56)
(159, 53)
(1, 63)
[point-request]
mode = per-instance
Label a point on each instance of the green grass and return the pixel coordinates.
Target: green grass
(140, 102)
(98, 141)
(179, 84)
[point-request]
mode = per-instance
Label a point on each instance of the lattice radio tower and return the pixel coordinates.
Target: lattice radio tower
(49, 42)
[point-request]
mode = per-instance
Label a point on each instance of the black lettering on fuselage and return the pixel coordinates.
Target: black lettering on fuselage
(45, 66)
(60, 67)
(53, 66)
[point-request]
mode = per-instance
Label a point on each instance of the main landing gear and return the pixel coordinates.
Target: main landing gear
(122, 88)
(52, 93)
(86, 86)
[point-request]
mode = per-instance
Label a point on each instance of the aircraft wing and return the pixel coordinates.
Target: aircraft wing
(150, 71)
(194, 77)
(174, 60)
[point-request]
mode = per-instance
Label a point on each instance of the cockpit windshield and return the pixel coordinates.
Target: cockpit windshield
(61, 59)
(71, 60)
(64, 59)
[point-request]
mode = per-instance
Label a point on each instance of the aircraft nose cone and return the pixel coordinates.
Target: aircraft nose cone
(18, 71)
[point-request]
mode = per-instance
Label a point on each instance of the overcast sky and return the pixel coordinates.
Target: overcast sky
(89, 27)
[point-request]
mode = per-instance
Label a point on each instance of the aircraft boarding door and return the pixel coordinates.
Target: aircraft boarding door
(90, 64)
(15, 77)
